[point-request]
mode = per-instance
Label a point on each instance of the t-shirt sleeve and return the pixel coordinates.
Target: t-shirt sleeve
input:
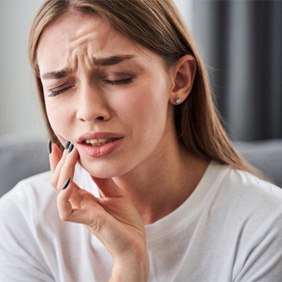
(20, 256)
(262, 259)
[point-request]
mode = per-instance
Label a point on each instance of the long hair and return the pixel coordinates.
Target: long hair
(156, 25)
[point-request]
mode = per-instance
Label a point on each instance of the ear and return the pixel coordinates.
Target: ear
(183, 75)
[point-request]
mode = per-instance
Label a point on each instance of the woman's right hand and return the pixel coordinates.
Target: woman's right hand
(111, 218)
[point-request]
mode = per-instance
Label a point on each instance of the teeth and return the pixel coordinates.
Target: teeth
(98, 142)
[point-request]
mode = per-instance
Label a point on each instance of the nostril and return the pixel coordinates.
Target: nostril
(100, 118)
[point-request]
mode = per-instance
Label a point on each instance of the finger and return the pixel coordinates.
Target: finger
(75, 198)
(54, 155)
(64, 206)
(90, 213)
(68, 167)
(83, 212)
(94, 217)
(58, 168)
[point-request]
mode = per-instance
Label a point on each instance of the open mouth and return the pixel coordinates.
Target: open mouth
(99, 142)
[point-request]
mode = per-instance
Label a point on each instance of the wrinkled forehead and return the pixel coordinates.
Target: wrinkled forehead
(74, 37)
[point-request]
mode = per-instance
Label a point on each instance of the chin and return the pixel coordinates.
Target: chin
(102, 168)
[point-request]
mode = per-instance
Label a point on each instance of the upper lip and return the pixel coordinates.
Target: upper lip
(98, 135)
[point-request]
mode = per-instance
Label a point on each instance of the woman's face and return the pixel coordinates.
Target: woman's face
(104, 93)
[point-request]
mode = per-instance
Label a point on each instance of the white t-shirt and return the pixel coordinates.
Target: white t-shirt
(229, 229)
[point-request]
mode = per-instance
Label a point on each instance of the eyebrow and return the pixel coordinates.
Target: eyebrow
(113, 60)
(107, 61)
(56, 74)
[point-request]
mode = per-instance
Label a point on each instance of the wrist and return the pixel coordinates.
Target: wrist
(132, 268)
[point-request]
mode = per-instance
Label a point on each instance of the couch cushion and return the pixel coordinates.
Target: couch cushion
(21, 157)
(266, 156)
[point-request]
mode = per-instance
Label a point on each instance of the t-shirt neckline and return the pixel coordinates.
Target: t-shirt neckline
(188, 210)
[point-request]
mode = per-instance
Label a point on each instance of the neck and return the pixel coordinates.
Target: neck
(164, 183)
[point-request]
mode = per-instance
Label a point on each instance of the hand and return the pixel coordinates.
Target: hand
(111, 218)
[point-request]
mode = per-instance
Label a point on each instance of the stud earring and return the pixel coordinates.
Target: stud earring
(178, 101)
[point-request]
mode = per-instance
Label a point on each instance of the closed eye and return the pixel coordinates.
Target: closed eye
(119, 81)
(59, 90)
(56, 91)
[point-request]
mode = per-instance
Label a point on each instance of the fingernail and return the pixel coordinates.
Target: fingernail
(67, 144)
(50, 146)
(66, 184)
(70, 147)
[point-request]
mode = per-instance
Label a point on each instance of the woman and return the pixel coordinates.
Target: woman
(149, 187)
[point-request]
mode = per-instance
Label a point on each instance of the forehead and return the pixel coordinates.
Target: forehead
(77, 35)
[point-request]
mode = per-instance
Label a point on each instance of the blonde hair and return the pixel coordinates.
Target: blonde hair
(156, 25)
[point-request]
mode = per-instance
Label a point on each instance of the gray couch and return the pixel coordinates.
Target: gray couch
(23, 156)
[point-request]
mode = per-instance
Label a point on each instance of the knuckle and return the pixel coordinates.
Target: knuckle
(97, 221)
(53, 182)
(64, 216)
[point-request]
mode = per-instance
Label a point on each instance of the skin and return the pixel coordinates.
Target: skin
(136, 179)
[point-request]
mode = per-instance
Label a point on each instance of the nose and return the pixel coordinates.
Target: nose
(92, 106)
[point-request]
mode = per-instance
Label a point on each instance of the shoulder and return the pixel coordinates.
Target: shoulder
(28, 199)
(254, 209)
(249, 187)
(30, 187)
(247, 200)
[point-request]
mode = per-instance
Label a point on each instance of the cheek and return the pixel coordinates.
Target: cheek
(59, 117)
(144, 110)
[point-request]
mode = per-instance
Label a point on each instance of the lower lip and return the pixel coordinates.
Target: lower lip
(101, 151)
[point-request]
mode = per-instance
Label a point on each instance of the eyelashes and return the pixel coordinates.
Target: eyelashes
(119, 81)
(56, 91)
(59, 90)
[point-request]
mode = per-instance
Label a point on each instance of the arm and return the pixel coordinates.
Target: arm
(111, 218)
